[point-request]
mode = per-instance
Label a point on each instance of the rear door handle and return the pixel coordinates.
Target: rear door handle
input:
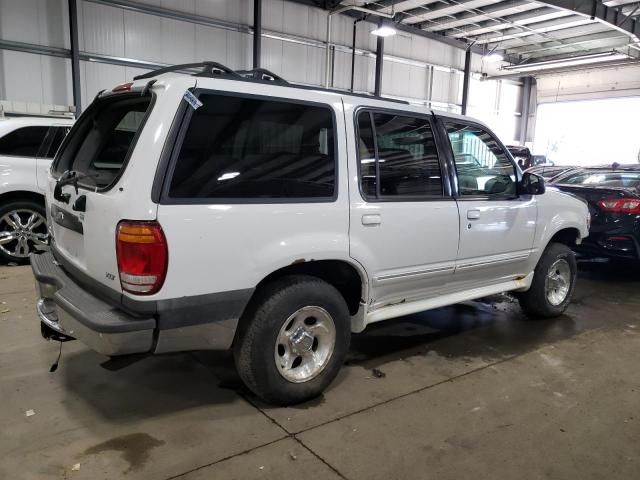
(473, 214)
(373, 219)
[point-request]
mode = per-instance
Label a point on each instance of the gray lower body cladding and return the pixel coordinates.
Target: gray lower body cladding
(203, 322)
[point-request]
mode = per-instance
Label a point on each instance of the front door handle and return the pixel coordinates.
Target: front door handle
(373, 219)
(473, 214)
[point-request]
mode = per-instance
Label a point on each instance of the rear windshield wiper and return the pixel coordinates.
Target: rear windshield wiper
(69, 177)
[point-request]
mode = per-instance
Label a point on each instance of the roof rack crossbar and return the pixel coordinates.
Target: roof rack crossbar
(262, 74)
(208, 69)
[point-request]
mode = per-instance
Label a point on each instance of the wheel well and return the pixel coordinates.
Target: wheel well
(566, 236)
(343, 276)
(22, 195)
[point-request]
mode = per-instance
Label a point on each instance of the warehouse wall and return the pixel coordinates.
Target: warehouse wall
(415, 68)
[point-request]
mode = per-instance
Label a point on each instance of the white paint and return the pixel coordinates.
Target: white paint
(411, 258)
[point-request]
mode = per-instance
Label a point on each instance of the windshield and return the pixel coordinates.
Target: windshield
(600, 178)
(100, 143)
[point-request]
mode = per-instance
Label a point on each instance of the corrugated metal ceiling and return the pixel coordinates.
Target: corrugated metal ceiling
(526, 30)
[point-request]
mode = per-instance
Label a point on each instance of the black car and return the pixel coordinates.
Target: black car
(613, 195)
(549, 172)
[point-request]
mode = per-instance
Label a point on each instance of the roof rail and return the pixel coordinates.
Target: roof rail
(215, 69)
(209, 69)
(262, 74)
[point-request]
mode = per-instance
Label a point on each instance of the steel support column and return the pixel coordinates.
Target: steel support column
(524, 109)
(75, 56)
(377, 90)
(257, 32)
(465, 81)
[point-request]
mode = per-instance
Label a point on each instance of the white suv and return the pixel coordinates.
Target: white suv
(27, 146)
(222, 210)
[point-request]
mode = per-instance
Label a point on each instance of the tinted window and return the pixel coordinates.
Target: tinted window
(248, 148)
(101, 143)
(397, 157)
(23, 142)
(482, 165)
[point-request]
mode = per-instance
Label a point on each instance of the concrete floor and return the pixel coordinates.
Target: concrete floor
(470, 391)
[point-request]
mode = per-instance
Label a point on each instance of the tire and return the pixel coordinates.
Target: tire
(267, 363)
(537, 301)
(27, 236)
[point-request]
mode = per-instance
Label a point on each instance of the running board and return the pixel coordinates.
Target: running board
(407, 308)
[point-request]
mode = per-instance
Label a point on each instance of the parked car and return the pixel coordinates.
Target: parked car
(223, 211)
(613, 195)
(27, 146)
(549, 172)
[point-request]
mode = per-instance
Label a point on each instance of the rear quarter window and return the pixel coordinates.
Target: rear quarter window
(255, 149)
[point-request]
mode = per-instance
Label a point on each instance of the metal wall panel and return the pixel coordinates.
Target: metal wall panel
(119, 32)
(42, 22)
(178, 41)
(142, 36)
(101, 29)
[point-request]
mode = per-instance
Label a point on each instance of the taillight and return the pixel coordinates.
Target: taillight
(620, 205)
(142, 256)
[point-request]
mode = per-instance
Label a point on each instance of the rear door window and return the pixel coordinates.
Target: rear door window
(103, 139)
(254, 148)
(23, 142)
(398, 158)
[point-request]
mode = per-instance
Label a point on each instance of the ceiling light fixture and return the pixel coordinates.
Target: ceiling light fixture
(569, 61)
(494, 57)
(384, 31)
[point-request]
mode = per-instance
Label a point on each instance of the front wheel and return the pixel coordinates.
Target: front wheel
(553, 283)
(292, 340)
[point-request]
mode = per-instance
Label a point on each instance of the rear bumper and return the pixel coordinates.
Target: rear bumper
(68, 309)
(112, 327)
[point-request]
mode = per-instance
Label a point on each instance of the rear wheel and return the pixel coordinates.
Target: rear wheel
(293, 340)
(23, 229)
(553, 283)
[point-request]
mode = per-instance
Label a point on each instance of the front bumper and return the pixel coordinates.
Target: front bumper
(613, 245)
(68, 309)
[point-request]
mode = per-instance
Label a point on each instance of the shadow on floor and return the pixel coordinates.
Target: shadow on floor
(490, 329)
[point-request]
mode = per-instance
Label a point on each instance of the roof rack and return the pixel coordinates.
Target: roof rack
(209, 69)
(215, 69)
(262, 74)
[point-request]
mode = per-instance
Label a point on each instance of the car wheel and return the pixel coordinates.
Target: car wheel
(553, 283)
(23, 230)
(292, 340)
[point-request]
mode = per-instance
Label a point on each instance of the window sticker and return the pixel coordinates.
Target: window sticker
(192, 100)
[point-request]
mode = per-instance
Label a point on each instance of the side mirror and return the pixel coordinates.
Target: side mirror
(532, 184)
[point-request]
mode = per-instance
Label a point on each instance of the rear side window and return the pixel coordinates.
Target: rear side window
(100, 143)
(397, 157)
(23, 142)
(248, 148)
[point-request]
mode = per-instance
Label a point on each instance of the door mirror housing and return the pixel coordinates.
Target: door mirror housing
(532, 184)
